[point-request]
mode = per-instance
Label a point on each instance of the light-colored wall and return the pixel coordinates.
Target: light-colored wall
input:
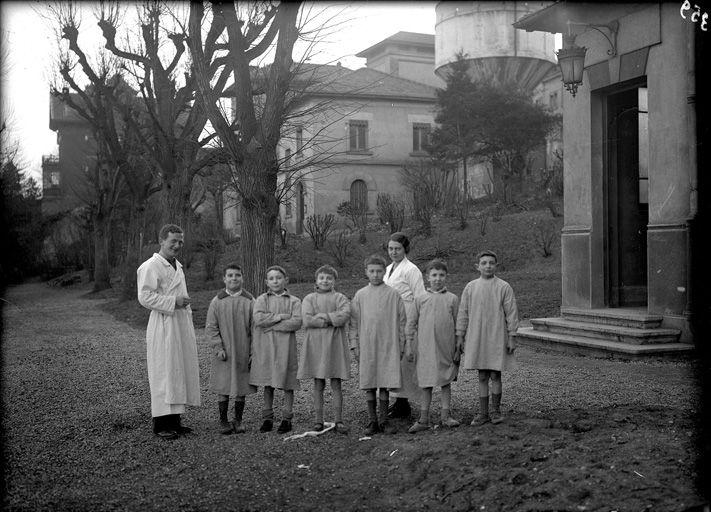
(327, 184)
(485, 29)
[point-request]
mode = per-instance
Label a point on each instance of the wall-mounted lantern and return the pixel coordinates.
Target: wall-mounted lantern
(571, 58)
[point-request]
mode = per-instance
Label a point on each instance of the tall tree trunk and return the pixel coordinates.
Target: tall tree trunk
(132, 258)
(260, 211)
(257, 246)
(102, 269)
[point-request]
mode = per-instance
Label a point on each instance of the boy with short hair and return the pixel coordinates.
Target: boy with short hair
(276, 318)
(229, 329)
(486, 322)
(377, 338)
(431, 343)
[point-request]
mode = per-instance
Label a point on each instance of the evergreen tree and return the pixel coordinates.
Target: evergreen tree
(496, 121)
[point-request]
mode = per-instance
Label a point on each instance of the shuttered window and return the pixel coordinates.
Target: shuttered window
(359, 195)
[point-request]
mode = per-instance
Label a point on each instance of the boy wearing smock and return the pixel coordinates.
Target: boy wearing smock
(431, 343)
(324, 354)
(377, 339)
(276, 318)
(229, 330)
(486, 322)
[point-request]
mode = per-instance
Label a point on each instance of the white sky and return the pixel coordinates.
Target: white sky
(30, 44)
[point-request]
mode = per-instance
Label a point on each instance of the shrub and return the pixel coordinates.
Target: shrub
(341, 247)
(544, 234)
(319, 227)
(356, 218)
(391, 212)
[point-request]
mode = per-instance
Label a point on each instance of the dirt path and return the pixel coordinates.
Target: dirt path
(580, 434)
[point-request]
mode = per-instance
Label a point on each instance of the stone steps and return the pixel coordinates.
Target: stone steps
(637, 318)
(617, 333)
(598, 347)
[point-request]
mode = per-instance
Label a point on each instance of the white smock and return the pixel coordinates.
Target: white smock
(171, 347)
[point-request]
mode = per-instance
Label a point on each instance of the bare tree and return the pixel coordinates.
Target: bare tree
(108, 106)
(224, 41)
(173, 134)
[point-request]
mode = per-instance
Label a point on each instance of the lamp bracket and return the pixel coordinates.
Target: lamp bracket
(612, 27)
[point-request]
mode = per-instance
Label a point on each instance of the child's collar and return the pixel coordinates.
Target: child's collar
(283, 292)
(443, 290)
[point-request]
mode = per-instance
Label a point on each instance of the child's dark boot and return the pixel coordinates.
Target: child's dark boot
(239, 411)
(225, 426)
(268, 423)
(496, 416)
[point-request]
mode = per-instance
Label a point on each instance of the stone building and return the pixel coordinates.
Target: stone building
(630, 176)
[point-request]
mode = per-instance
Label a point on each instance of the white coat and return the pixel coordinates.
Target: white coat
(171, 347)
(406, 279)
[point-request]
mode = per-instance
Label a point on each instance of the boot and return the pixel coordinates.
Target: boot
(225, 426)
(179, 428)
(496, 416)
(162, 427)
(400, 408)
(268, 423)
(483, 412)
(384, 425)
(239, 410)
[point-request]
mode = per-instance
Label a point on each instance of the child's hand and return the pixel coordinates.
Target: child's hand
(457, 357)
(222, 355)
(410, 355)
(510, 344)
(182, 301)
(284, 316)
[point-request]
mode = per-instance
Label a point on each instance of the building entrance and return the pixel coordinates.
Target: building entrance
(627, 197)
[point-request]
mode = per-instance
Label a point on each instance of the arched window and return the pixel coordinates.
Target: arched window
(359, 195)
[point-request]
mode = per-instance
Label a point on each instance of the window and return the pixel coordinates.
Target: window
(359, 195)
(299, 142)
(287, 194)
(357, 135)
(287, 158)
(553, 100)
(643, 134)
(420, 137)
(54, 178)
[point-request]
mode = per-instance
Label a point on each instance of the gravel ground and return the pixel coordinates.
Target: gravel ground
(579, 434)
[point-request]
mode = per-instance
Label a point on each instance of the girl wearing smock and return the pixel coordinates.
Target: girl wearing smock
(406, 279)
(324, 354)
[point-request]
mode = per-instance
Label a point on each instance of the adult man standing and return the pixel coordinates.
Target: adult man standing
(173, 372)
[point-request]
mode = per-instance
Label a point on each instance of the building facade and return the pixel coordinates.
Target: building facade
(629, 169)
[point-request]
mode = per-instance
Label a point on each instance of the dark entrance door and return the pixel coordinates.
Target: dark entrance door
(627, 203)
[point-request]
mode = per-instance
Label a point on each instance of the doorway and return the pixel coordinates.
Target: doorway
(627, 203)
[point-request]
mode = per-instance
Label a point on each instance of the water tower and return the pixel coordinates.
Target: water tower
(484, 32)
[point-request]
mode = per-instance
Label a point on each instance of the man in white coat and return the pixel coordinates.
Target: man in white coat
(173, 372)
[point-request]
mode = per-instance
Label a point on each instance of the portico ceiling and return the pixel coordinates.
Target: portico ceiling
(554, 18)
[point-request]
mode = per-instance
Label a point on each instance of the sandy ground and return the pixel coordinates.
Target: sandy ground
(579, 434)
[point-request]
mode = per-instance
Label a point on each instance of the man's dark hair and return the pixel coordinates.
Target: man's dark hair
(166, 230)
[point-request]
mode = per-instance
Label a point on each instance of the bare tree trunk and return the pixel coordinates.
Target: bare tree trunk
(257, 246)
(102, 269)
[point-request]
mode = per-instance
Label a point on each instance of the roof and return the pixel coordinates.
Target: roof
(554, 18)
(367, 82)
(411, 38)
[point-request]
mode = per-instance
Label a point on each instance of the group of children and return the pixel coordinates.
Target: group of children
(254, 343)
